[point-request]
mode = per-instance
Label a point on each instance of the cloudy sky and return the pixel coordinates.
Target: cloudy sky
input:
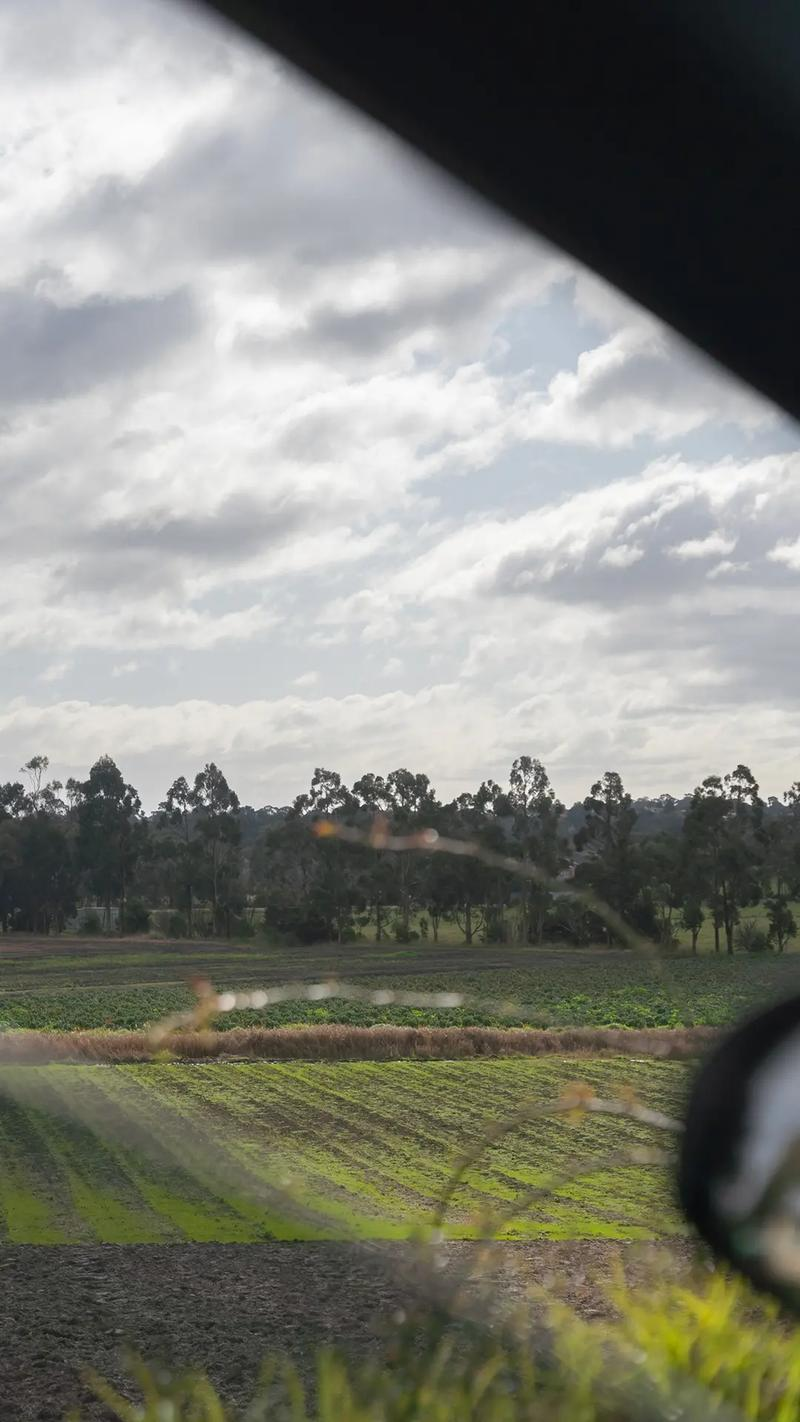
(307, 458)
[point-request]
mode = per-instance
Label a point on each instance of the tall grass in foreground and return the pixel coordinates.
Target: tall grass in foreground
(689, 1351)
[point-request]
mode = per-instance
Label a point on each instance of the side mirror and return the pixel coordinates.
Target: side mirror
(739, 1171)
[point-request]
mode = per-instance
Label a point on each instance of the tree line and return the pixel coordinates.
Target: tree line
(89, 839)
(665, 866)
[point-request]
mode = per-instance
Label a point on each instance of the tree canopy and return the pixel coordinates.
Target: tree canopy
(663, 865)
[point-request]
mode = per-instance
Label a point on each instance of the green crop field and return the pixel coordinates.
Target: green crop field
(160, 1153)
(62, 985)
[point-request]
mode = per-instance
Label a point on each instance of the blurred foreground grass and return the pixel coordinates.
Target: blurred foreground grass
(677, 1350)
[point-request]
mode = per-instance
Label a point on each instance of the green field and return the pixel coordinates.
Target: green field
(186, 1152)
(62, 985)
(160, 1153)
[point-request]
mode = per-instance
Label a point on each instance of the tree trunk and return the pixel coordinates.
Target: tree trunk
(189, 886)
(695, 932)
(716, 933)
(523, 932)
(214, 904)
(468, 922)
(378, 920)
(727, 918)
(121, 924)
(539, 925)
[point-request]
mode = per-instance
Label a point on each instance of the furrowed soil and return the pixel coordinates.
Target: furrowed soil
(227, 1306)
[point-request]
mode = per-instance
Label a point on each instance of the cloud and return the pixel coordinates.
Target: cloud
(44, 40)
(56, 671)
(642, 381)
(360, 732)
(589, 606)
(50, 350)
(146, 625)
(269, 382)
(788, 553)
(448, 300)
(219, 381)
(339, 190)
(646, 537)
(709, 547)
(162, 547)
(726, 567)
(622, 555)
(667, 734)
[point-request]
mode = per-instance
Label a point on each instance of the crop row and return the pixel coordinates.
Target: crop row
(556, 989)
(240, 1152)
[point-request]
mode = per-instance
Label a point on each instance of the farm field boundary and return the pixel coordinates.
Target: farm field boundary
(334, 1042)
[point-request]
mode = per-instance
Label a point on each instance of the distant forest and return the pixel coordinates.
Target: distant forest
(215, 867)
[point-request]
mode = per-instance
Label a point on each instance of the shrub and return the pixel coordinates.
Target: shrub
(782, 923)
(692, 920)
(137, 917)
(293, 923)
(177, 927)
(568, 922)
(495, 929)
(751, 938)
(668, 940)
(401, 934)
(645, 919)
(91, 924)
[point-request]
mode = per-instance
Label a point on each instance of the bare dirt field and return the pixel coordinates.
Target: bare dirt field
(226, 1306)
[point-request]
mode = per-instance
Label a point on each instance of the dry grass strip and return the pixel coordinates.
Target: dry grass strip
(343, 1043)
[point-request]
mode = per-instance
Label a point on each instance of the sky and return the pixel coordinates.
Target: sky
(309, 458)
